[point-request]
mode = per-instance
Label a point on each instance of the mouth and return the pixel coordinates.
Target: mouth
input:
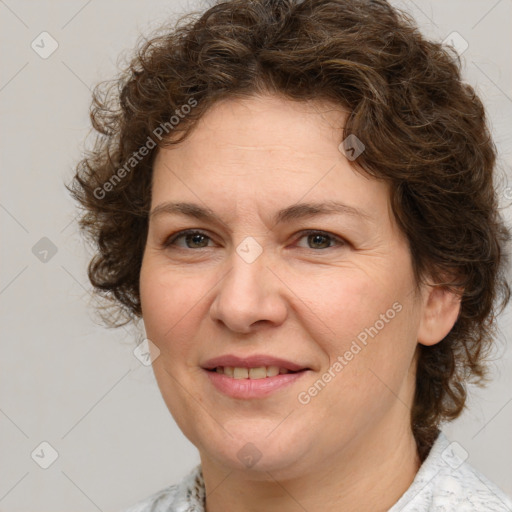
(257, 366)
(258, 372)
(252, 383)
(253, 377)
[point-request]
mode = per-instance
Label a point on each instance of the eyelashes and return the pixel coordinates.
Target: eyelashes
(194, 236)
(329, 236)
(189, 233)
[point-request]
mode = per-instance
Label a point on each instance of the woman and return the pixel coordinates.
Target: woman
(297, 199)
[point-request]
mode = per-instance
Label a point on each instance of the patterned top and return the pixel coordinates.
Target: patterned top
(444, 483)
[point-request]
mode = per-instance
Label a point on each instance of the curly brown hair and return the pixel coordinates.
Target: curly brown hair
(425, 133)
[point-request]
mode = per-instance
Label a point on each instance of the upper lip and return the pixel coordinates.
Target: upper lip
(254, 361)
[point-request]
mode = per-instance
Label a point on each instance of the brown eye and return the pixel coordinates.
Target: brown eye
(320, 239)
(193, 240)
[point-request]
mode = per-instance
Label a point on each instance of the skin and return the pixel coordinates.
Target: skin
(303, 299)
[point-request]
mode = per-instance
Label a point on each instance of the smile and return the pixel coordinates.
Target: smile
(260, 372)
(249, 383)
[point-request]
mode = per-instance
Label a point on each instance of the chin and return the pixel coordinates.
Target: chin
(259, 456)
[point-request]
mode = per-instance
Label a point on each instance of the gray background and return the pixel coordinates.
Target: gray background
(67, 380)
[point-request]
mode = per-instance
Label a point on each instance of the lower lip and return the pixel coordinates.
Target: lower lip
(252, 388)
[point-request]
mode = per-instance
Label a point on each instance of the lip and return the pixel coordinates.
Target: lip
(253, 361)
(252, 388)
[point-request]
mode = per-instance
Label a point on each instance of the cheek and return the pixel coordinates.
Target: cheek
(341, 306)
(168, 301)
(369, 323)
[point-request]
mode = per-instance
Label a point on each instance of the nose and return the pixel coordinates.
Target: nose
(250, 296)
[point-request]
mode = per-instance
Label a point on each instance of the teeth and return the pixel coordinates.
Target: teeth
(240, 373)
(260, 372)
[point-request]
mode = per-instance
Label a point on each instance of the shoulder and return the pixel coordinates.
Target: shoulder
(187, 495)
(447, 483)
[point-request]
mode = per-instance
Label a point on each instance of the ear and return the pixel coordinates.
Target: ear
(440, 310)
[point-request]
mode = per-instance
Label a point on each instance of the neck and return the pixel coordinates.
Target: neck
(369, 475)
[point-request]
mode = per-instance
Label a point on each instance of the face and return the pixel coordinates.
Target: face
(332, 293)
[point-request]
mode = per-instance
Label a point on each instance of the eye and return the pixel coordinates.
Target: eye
(320, 238)
(193, 239)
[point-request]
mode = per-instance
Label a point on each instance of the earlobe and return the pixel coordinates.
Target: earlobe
(441, 308)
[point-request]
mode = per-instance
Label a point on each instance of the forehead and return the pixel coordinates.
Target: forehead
(269, 123)
(265, 151)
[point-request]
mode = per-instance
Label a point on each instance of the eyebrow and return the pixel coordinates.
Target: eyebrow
(288, 214)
